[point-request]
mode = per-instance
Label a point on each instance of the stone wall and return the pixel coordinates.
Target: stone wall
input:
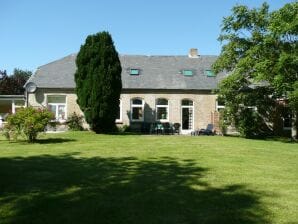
(204, 104)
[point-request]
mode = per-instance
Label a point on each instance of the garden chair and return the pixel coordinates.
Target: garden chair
(167, 128)
(176, 127)
(207, 131)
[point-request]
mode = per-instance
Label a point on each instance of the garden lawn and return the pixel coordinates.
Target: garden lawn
(81, 177)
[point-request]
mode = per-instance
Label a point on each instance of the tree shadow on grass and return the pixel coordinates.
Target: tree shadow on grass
(41, 141)
(64, 189)
(54, 140)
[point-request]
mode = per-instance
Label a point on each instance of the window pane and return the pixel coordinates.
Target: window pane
(187, 118)
(137, 101)
(19, 103)
(56, 99)
(137, 113)
(220, 101)
(209, 73)
(162, 102)
(187, 103)
(287, 117)
(220, 109)
(119, 111)
(162, 113)
(52, 108)
(134, 71)
(61, 112)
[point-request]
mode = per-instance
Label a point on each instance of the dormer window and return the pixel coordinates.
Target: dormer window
(209, 73)
(134, 71)
(187, 72)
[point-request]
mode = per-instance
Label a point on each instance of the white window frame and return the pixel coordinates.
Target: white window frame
(120, 118)
(57, 106)
(218, 107)
(14, 106)
(137, 106)
(157, 106)
(186, 131)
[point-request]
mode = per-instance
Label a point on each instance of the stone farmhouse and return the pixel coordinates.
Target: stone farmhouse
(175, 89)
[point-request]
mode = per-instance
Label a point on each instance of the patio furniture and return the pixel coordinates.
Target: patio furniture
(157, 128)
(176, 127)
(168, 128)
(207, 131)
(146, 127)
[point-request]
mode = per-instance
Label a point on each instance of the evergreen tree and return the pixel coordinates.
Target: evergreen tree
(98, 82)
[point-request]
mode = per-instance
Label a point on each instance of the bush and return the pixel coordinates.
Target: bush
(123, 128)
(75, 122)
(251, 125)
(27, 121)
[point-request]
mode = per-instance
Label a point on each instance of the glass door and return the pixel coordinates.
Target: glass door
(187, 117)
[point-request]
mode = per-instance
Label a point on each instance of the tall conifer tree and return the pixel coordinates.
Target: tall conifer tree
(98, 82)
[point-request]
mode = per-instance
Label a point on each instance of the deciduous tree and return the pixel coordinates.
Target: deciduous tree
(13, 84)
(260, 51)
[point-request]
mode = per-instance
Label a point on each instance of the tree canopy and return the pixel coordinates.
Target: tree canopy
(260, 52)
(13, 84)
(98, 82)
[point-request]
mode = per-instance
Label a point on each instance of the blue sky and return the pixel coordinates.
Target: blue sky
(36, 32)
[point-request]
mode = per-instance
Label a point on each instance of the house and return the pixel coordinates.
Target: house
(10, 104)
(176, 89)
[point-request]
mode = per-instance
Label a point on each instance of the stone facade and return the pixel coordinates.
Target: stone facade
(204, 104)
(39, 99)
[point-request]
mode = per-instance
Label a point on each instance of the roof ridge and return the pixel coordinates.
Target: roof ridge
(60, 59)
(184, 56)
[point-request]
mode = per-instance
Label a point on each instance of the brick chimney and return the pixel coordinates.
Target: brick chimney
(193, 53)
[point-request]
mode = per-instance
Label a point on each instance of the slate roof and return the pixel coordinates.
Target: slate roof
(156, 72)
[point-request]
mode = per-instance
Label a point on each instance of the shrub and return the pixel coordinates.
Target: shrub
(123, 128)
(75, 122)
(251, 125)
(27, 121)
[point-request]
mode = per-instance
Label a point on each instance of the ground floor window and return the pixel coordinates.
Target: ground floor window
(57, 105)
(220, 104)
(119, 115)
(162, 110)
(287, 118)
(137, 109)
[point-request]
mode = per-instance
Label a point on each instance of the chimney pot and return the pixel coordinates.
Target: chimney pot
(193, 53)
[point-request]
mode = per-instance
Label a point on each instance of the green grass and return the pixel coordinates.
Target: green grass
(80, 177)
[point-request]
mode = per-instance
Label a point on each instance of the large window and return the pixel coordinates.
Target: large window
(287, 118)
(137, 109)
(17, 104)
(220, 104)
(162, 110)
(57, 105)
(119, 116)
